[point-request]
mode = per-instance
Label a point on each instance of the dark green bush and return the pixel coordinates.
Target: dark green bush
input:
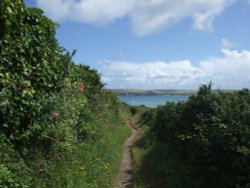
(211, 131)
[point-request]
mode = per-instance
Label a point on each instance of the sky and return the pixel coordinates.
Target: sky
(157, 44)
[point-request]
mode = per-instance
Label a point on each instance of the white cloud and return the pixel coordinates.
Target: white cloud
(226, 44)
(87, 11)
(146, 16)
(230, 72)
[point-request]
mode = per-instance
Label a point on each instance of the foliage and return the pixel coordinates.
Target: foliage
(31, 68)
(58, 127)
(211, 133)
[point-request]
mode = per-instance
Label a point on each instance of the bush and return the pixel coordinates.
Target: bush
(55, 118)
(31, 68)
(211, 131)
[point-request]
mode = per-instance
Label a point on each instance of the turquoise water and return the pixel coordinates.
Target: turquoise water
(152, 101)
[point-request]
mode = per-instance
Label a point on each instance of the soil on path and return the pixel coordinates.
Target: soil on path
(125, 178)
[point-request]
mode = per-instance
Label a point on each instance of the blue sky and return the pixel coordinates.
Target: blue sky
(157, 44)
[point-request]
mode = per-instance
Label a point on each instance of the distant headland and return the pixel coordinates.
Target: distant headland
(124, 92)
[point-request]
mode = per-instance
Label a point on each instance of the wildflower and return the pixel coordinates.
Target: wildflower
(81, 87)
(55, 115)
(80, 90)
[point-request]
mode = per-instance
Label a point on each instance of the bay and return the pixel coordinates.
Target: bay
(151, 100)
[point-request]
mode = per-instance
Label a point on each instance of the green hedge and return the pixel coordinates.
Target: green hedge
(55, 117)
(211, 131)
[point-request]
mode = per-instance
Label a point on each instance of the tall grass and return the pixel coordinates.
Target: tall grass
(93, 163)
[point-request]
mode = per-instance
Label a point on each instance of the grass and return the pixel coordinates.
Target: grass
(155, 166)
(65, 156)
(93, 163)
(159, 169)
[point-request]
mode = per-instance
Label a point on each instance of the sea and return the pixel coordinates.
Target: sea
(152, 100)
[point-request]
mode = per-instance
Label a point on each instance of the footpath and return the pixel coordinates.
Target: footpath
(125, 177)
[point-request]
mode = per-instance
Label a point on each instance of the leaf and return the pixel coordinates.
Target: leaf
(9, 10)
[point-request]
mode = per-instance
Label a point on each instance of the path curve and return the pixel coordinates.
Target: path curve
(125, 178)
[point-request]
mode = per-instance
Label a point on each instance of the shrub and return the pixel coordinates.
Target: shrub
(211, 132)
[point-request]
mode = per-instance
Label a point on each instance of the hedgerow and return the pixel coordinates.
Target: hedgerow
(55, 117)
(209, 135)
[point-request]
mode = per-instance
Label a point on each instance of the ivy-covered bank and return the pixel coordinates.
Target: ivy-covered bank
(58, 127)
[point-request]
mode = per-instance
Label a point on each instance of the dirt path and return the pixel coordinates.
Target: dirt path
(125, 178)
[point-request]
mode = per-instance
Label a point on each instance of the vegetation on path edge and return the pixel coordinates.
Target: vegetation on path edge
(58, 126)
(203, 142)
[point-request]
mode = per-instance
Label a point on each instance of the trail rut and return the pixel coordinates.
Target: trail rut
(125, 178)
